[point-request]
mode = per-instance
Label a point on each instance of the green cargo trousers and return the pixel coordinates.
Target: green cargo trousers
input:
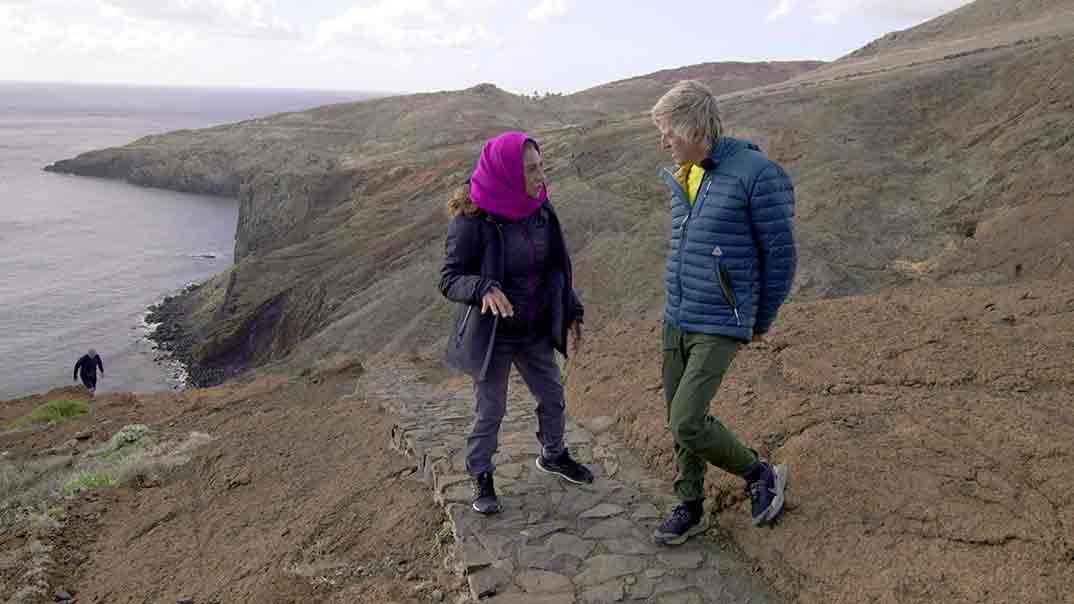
(694, 366)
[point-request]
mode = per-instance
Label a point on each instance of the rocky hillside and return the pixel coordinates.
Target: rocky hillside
(342, 209)
(904, 173)
(641, 93)
(973, 20)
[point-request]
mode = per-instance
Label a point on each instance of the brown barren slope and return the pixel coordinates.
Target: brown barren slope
(976, 19)
(640, 93)
(294, 496)
(930, 435)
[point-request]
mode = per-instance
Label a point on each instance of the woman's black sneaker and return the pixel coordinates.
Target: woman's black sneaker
(485, 499)
(566, 467)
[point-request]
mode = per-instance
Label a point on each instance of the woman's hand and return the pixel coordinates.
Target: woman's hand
(577, 336)
(495, 301)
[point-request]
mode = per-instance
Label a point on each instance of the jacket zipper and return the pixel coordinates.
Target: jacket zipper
(499, 232)
(503, 254)
(682, 237)
(531, 285)
(702, 191)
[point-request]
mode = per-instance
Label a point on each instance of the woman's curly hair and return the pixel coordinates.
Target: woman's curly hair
(460, 203)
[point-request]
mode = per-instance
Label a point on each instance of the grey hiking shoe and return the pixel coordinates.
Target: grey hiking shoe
(485, 499)
(767, 493)
(686, 520)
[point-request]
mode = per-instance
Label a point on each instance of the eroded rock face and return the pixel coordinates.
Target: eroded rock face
(270, 205)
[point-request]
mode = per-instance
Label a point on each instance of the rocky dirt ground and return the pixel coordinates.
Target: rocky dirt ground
(555, 542)
(293, 496)
(930, 434)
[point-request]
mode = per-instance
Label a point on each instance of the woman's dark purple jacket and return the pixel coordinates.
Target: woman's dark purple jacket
(473, 263)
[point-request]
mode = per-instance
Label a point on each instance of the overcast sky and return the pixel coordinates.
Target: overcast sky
(421, 45)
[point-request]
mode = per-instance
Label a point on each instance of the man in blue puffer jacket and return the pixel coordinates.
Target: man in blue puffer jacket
(731, 266)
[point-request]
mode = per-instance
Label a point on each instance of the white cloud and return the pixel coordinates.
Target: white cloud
(548, 9)
(833, 11)
(81, 34)
(782, 9)
(466, 5)
(240, 18)
(407, 26)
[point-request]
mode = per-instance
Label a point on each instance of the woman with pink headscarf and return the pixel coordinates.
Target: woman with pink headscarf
(506, 265)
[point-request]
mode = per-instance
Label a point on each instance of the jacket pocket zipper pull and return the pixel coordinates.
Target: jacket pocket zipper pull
(462, 326)
(728, 291)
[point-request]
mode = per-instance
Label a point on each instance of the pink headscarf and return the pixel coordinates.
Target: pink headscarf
(498, 184)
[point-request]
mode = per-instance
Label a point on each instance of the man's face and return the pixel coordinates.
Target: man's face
(682, 150)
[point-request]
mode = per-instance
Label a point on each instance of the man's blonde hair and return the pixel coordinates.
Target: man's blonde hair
(693, 112)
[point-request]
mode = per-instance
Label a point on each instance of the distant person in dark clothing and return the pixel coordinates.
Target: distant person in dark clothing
(87, 367)
(507, 266)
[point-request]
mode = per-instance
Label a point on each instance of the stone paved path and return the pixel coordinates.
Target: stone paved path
(555, 542)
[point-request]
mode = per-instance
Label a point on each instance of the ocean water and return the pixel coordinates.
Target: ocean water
(82, 258)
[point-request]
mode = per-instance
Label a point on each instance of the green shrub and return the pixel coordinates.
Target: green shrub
(53, 412)
(127, 450)
(89, 481)
(51, 518)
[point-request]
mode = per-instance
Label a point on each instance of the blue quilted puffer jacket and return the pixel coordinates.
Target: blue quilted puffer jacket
(733, 255)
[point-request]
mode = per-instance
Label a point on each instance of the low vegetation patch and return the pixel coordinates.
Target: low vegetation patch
(443, 536)
(52, 412)
(88, 481)
(131, 441)
(49, 518)
(33, 489)
(127, 451)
